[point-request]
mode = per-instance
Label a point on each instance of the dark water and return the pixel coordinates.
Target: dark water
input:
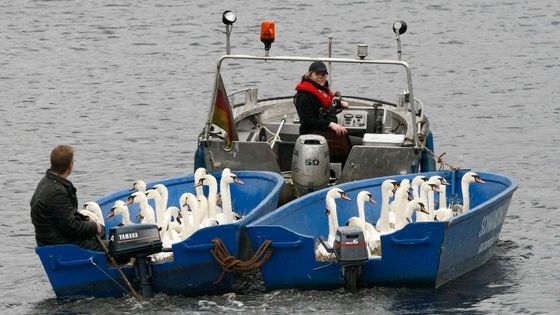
(128, 84)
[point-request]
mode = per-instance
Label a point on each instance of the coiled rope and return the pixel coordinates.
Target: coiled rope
(231, 264)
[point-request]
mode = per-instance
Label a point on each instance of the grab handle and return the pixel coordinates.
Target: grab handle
(56, 262)
(411, 241)
(286, 244)
(198, 247)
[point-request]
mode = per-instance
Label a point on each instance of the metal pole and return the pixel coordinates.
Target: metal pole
(228, 32)
(330, 64)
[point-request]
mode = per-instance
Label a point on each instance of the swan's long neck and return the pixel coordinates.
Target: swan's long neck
(415, 194)
(187, 228)
(420, 216)
(408, 210)
(125, 214)
(401, 198)
(466, 197)
(197, 215)
(362, 213)
(160, 208)
(431, 202)
(147, 211)
(442, 197)
(164, 199)
(212, 198)
(333, 219)
(384, 216)
(226, 202)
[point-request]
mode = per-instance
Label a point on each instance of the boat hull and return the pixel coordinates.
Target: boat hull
(193, 270)
(423, 254)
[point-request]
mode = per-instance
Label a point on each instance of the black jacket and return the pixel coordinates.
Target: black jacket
(55, 217)
(312, 116)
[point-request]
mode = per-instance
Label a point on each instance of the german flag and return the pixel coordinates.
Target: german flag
(222, 115)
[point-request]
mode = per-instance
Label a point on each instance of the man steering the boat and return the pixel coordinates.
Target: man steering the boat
(317, 107)
(54, 207)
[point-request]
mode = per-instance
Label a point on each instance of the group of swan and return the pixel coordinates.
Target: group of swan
(420, 203)
(175, 224)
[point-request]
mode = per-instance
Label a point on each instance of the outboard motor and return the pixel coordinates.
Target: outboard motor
(310, 163)
(138, 241)
(350, 250)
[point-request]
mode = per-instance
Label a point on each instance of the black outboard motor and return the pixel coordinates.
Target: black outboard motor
(350, 250)
(138, 241)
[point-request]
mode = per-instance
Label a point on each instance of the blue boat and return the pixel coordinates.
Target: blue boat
(422, 253)
(193, 270)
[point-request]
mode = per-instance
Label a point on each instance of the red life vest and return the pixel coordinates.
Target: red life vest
(324, 95)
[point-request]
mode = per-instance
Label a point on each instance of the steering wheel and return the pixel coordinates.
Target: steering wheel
(338, 107)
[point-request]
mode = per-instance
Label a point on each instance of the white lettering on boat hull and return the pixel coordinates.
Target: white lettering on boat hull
(491, 223)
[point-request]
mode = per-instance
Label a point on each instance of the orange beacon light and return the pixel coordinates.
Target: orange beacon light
(267, 35)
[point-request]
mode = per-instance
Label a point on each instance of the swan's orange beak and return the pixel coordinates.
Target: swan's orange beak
(344, 196)
(111, 213)
(200, 182)
(370, 199)
(129, 200)
(423, 208)
(238, 181)
(479, 180)
(435, 188)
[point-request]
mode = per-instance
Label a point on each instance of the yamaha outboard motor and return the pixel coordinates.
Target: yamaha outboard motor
(310, 163)
(350, 250)
(139, 241)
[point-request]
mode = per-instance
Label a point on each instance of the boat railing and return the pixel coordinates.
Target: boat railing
(251, 95)
(408, 95)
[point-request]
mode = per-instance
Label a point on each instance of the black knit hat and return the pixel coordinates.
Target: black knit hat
(318, 66)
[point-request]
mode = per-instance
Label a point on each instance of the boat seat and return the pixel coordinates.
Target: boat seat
(339, 146)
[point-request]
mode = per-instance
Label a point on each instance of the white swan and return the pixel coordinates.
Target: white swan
(415, 205)
(146, 213)
(138, 185)
(120, 208)
(228, 178)
(164, 194)
(371, 235)
(334, 193)
(213, 208)
(189, 200)
(185, 220)
(442, 213)
(466, 181)
(398, 206)
(160, 208)
(425, 188)
(202, 200)
(387, 187)
(93, 211)
(416, 182)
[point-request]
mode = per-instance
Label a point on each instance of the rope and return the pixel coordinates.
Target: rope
(108, 275)
(439, 159)
(232, 264)
(274, 138)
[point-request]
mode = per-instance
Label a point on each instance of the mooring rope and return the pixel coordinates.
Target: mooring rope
(231, 264)
(439, 159)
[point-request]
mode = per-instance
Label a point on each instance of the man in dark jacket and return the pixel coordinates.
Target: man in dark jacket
(54, 206)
